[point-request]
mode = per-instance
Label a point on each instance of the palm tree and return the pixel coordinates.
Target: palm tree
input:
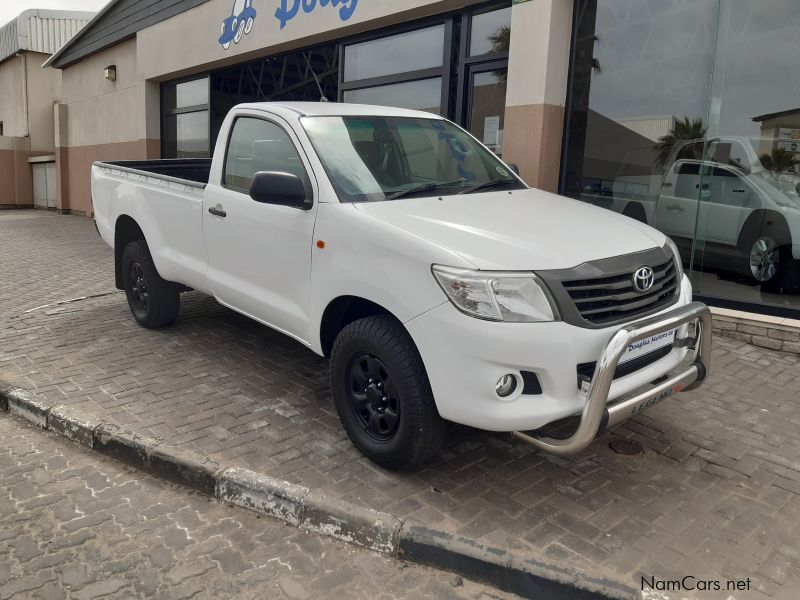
(684, 129)
(501, 39)
(501, 42)
(779, 161)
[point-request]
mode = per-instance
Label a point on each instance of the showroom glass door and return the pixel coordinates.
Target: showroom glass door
(486, 104)
(686, 116)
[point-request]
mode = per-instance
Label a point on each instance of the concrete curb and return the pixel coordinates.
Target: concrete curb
(315, 511)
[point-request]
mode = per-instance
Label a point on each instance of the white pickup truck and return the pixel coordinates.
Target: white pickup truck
(441, 287)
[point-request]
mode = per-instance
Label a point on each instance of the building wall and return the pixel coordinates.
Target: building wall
(16, 181)
(537, 89)
(44, 90)
(179, 45)
(105, 120)
(26, 110)
(12, 108)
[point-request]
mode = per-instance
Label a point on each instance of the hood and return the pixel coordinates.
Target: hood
(523, 230)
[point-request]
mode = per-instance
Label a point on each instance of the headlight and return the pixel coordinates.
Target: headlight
(497, 295)
(678, 259)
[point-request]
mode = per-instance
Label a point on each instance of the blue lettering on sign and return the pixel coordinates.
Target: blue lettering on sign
(289, 9)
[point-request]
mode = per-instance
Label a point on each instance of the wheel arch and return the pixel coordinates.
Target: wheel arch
(126, 230)
(763, 221)
(342, 311)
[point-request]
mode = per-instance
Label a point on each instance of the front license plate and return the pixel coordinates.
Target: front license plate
(648, 345)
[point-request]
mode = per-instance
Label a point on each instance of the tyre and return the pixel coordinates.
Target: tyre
(154, 302)
(765, 245)
(382, 393)
(768, 262)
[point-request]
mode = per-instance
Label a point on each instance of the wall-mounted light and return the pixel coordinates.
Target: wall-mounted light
(110, 72)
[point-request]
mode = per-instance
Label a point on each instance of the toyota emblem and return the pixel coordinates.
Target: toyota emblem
(644, 279)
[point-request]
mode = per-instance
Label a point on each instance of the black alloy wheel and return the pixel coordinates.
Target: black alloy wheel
(373, 397)
(140, 296)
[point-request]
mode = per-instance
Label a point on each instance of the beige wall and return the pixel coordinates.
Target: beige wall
(101, 120)
(12, 106)
(537, 89)
(28, 93)
(44, 89)
(16, 181)
(102, 111)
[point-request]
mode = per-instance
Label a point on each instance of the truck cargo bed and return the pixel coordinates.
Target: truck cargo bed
(188, 170)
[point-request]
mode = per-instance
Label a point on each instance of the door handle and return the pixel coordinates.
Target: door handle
(675, 208)
(666, 184)
(738, 191)
(217, 211)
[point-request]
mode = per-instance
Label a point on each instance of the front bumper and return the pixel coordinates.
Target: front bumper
(597, 414)
(465, 357)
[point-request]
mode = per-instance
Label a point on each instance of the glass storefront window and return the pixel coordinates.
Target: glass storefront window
(424, 94)
(488, 108)
(491, 32)
(186, 131)
(187, 135)
(684, 116)
(401, 53)
(749, 220)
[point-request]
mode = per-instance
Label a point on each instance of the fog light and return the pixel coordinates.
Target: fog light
(505, 386)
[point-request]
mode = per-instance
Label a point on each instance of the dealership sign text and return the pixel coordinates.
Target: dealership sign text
(289, 9)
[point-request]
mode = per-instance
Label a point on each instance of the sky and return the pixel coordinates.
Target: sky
(9, 9)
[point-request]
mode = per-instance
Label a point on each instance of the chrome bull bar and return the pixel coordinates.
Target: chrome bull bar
(597, 416)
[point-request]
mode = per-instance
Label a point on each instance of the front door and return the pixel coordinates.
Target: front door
(260, 254)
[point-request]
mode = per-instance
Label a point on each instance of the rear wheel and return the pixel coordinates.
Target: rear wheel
(154, 302)
(382, 393)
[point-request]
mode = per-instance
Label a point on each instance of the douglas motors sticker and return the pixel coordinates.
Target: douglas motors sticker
(238, 24)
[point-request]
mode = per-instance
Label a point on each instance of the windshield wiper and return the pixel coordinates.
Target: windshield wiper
(488, 185)
(423, 187)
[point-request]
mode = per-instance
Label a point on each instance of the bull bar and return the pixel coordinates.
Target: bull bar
(597, 416)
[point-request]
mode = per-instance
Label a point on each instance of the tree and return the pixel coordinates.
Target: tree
(779, 161)
(501, 39)
(501, 42)
(684, 129)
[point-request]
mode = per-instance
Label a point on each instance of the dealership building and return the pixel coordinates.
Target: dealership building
(683, 113)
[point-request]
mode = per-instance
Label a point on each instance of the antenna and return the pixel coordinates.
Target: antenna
(322, 98)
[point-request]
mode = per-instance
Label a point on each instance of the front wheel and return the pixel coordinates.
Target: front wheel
(382, 394)
(768, 262)
(154, 302)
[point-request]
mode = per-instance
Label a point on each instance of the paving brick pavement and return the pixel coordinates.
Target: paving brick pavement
(716, 493)
(75, 525)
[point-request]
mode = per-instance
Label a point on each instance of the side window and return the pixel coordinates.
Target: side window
(687, 181)
(258, 145)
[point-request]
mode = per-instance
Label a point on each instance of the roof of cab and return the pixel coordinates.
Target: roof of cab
(338, 109)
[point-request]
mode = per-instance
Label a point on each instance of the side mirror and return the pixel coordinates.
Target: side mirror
(514, 167)
(283, 189)
(797, 187)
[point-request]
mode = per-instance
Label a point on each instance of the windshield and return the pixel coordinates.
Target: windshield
(385, 158)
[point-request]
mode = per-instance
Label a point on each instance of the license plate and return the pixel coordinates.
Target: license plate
(648, 345)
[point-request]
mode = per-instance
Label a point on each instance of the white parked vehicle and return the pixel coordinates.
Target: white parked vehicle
(746, 218)
(441, 287)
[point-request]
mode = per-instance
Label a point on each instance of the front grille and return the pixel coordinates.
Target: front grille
(609, 299)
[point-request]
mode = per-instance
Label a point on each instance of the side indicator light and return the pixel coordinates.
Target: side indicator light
(320, 244)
